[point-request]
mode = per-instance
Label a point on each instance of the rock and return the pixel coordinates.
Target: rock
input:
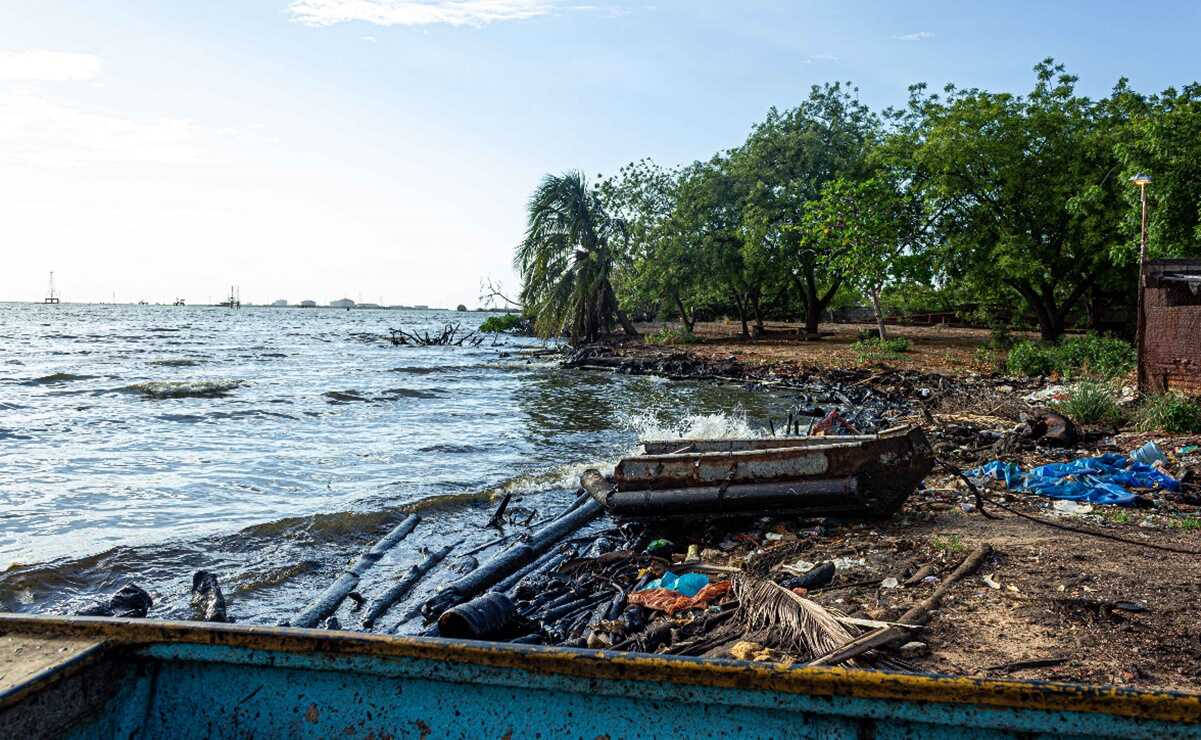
(129, 602)
(331, 623)
(208, 602)
(913, 649)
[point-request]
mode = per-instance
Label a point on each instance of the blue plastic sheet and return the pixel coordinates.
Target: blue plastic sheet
(1098, 480)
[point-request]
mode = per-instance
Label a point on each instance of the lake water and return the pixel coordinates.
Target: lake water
(270, 446)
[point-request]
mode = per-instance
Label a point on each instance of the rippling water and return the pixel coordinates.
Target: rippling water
(141, 443)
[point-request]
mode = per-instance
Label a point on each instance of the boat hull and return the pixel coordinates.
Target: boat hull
(148, 679)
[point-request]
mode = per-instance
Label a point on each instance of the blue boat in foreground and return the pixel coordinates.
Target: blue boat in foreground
(81, 677)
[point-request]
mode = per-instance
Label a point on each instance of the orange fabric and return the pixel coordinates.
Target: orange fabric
(666, 600)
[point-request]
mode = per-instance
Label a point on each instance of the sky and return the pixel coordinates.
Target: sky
(383, 150)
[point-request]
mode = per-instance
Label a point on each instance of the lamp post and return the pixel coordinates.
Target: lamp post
(1142, 181)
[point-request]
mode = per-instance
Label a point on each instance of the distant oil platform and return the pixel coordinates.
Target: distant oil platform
(235, 298)
(53, 294)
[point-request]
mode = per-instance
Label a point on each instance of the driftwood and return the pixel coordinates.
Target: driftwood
(510, 560)
(397, 591)
(451, 336)
(918, 615)
(327, 603)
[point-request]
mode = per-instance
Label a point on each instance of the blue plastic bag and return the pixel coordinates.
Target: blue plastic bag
(688, 584)
(1099, 480)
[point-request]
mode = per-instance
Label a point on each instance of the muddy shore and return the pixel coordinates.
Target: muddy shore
(1048, 603)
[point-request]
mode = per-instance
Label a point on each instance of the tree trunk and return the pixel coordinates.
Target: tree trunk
(754, 301)
(740, 304)
(689, 322)
(875, 294)
(626, 325)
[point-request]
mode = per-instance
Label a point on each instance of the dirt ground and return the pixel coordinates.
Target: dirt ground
(1089, 609)
(938, 349)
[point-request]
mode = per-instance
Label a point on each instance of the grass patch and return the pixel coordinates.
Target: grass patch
(507, 322)
(1091, 402)
(948, 545)
(672, 335)
(875, 348)
(1087, 356)
(1116, 517)
(1186, 522)
(1171, 413)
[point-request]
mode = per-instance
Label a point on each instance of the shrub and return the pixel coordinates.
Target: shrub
(672, 335)
(1090, 402)
(1029, 358)
(875, 349)
(1171, 413)
(1091, 355)
(508, 322)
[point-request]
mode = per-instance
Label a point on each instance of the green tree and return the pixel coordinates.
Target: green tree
(1164, 141)
(567, 259)
(877, 230)
(1028, 189)
(786, 161)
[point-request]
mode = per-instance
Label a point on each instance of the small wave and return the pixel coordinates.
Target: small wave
(395, 394)
(273, 354)
(344, 396)
(451, 449)
(55, 378)
(257, 580)
(177, 362)
(323, 526)
(163, 328)
(160, 389)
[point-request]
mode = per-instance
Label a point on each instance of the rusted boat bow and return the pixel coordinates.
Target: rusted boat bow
(853, 476)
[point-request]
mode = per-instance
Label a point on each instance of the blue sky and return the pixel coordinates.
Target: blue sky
(384, 149)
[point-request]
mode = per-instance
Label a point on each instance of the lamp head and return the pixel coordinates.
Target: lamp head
(1141, 180)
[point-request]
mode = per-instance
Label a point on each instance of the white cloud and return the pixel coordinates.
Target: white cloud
(40, 132)
(44, 65)
(417, 12)
(919, 36)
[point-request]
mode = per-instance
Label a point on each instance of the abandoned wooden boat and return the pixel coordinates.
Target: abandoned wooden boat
(850, 476)
(80, 677)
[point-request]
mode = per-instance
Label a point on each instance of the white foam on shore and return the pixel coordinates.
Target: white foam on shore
(733, 425)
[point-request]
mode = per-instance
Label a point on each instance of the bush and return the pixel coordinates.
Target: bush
(1090, 402)
(880, 349)
(672, 335)
(1171, 413)
(1087, 356)
(508, 322)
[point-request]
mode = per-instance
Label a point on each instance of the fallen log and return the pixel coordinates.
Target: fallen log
(918, 615)
(327, 603)
(515, 557)
(398, 590)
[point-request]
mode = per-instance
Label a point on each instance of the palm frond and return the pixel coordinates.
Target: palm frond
(793, 623)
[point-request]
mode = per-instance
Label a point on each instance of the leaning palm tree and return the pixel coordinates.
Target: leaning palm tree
(566, 260)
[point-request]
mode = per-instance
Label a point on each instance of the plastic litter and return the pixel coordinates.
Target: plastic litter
(1071, 506)
(667, 600)
(658, 545)
(1098, 480)
(688, 584)
(1149, 454)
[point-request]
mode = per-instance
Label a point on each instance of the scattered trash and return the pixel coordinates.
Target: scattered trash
(848, 563)
(1071, 506)
(1049, 394)
(659, 546)
(890, 583)
(1051, 428)
(991, 582)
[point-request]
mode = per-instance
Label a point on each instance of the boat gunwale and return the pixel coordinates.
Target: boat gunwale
(1158, 705)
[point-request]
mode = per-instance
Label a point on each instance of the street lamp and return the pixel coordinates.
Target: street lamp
(1142, 181)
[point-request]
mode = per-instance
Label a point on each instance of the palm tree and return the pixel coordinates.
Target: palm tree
(565, 261)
